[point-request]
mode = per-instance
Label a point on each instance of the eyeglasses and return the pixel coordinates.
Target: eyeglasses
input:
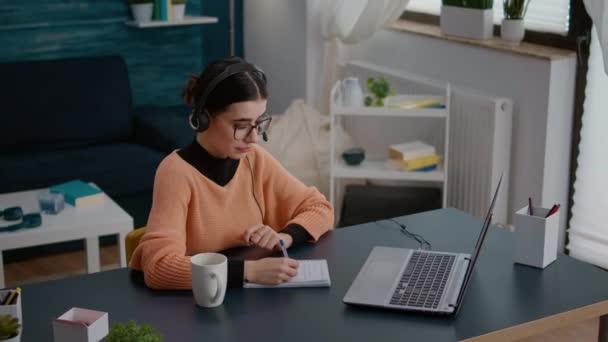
(241, 131)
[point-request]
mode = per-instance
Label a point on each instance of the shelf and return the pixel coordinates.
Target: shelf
(188, 20)
(377, 169)
(400, 112)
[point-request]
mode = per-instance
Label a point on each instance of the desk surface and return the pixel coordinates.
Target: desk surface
(504, 301)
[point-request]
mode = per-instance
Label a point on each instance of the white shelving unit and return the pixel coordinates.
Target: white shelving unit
(378, 169)
(188, 20)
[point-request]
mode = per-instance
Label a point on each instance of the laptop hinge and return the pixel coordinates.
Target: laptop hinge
(453, 300)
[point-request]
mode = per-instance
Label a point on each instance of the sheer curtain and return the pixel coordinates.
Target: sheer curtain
(588, 233)
(351, 22)
(598, 11)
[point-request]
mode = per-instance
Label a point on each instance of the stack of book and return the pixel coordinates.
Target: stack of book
(79, 193)
(163, 10)
(413, 156)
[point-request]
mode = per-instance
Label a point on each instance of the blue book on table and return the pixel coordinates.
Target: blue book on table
(77, 192)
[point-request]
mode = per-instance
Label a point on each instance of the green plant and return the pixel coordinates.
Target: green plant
(379, 89)
(9, 327)
(478, 4)
(132, 332)
(138, 2)
(515, 9)
(178, 2)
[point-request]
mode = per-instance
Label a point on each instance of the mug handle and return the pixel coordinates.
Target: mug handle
(218, 288)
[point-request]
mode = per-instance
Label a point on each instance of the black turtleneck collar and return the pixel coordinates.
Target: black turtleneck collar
(219, 170)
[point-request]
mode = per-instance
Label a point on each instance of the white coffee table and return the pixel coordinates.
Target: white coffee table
(87, 223)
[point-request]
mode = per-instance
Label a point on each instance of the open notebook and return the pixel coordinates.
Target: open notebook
(311, 273)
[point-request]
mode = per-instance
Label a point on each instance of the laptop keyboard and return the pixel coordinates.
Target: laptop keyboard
(423, 280)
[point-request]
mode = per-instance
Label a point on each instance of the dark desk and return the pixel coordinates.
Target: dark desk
(504, 301)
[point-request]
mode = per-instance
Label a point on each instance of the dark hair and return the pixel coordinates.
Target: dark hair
(244, 86)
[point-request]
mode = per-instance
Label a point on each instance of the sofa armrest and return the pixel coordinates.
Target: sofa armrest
(163, 128)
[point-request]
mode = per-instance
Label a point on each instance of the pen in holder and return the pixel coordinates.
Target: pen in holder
(11, 305)
(536, 237)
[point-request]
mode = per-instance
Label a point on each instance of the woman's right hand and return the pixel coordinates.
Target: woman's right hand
(270, 271)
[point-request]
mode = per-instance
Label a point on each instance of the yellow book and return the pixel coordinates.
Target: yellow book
(414, 164)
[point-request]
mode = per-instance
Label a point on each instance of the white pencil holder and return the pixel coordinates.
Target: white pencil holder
(12, 310)
(80, 325)
(536, 237)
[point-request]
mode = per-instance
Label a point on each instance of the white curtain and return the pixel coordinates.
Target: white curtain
(588, 233)
(598, 11)
(350, 22)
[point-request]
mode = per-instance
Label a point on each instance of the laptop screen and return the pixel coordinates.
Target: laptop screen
(480, 239)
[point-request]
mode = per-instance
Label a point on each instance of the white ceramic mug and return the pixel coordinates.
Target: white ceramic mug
(209, 276)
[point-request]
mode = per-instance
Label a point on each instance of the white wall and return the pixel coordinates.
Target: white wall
(275, 39)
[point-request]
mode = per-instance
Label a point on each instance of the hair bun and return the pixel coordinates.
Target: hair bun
(188, 93)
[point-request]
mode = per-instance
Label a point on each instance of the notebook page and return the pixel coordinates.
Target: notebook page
(311, 273)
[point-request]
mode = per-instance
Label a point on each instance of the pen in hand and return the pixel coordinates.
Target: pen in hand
(283, 249)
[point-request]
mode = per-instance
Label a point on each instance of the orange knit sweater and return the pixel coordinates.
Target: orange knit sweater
(191, 214)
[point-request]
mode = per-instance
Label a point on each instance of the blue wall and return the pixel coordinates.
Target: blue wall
(160, 60)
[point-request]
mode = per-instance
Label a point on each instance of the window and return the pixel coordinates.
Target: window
(543, 15)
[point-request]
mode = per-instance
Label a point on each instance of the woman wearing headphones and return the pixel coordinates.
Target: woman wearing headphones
(224, 191)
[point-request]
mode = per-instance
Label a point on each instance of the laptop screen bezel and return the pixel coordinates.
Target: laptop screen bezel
(480, 240)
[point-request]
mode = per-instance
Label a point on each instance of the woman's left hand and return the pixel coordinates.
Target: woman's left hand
(265, 237)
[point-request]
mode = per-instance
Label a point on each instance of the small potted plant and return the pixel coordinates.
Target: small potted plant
(9, 329)
(179, 8)
(142, 10)
(379, 89)
(467, 18)
(133, 332)
(512, 28)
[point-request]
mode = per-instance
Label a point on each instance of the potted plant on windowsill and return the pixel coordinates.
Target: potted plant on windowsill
(467, 18)
(512, 28)
(179, 8)
(9, 329)
(142, 10)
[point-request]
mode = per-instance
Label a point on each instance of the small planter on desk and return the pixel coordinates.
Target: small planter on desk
(80, 325)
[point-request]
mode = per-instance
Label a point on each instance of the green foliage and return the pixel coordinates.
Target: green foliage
(132, 332)
(9, 327)
(137, 2)
(178, 2)
(478, 4)
(379, 89)
(515, 9)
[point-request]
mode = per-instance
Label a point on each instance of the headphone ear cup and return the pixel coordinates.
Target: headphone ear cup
(203, 121)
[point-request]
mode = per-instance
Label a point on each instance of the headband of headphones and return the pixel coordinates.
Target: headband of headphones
(230, 70)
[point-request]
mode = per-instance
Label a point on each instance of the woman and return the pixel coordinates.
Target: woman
(224, 191)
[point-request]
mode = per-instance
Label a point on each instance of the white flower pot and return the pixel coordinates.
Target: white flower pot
(14, 339)
(466, 22)
(142, 13)
(512, 31)
(178, 11)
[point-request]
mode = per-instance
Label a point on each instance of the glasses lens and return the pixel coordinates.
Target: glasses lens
(240, 132)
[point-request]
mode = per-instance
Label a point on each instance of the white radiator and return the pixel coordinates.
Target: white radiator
(480, 139)
(480, 150)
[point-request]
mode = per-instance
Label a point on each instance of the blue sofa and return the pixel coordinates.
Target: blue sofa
(74, 118)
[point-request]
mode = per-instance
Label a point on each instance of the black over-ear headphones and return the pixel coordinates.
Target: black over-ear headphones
(199, 118)
(16, 213)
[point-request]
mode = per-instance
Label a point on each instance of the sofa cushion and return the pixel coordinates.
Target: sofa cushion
(118, 169)
(61, 103)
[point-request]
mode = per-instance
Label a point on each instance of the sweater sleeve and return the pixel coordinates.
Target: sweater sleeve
(288, 201)
(161, 253)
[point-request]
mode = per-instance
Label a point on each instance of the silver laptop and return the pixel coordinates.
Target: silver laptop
(417, 280)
